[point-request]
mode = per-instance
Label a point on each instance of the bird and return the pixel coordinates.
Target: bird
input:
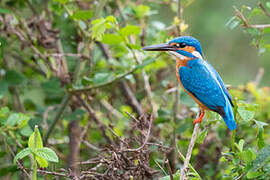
(198, 78)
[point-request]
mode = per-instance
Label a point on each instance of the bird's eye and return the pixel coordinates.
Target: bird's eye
(182, 45)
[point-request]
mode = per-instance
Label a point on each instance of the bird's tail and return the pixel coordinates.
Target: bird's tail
(229, 117)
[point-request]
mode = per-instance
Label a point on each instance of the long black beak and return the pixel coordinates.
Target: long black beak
(159, 47)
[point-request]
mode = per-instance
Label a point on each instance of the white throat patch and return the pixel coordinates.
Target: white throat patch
(197, 54)
(177, 55)
(181, 57)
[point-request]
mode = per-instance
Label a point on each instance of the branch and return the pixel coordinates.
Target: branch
(117, 78)
(94, 116)
(263, 9)
(128, 93)
(246, 23)
(146, 138)
(63, 105)
(190, 148)
(189, 165)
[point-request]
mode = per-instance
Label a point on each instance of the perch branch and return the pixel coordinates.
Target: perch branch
(190, 148)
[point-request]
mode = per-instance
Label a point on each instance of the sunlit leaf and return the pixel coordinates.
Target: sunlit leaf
(47, 154)
(5, 11)
(246, 115)
(35, 140)
(129, 30)
(23, 153)
(112, 39)
(141, 10)
(82, 14)
(253, 174)
(42, 162)
(261, 158)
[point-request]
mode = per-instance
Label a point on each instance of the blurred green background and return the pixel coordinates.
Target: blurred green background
(229, 50)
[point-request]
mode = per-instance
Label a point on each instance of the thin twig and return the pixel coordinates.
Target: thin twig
(117, 78)
(52, 173)
(169, 169)
(190, 148)
(18, 162)
(93, 115)
(146, 138)
(263, 9)
(61, 109)
(246, 23)
(189, 165)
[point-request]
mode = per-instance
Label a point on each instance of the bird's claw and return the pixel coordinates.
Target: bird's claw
(199, 119)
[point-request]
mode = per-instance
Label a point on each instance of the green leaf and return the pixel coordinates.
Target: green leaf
(4, 111)
(100, 78)
(5, 11)
(111, 19)
(61, 1)
(22, 154)
(145, 63)
(47, 154)
(260, 139)
(201, 137)
(176, 176)
(268, 5)
(129, 30)
(247, 156)
(234, 24)
(260, 124)
(26, 131)
(111, 39)
(12, 119)
(252, 31)
(22, 120)
(4, 171)
(82, 14)
(14, 78)
(261, 158)
(35, 140)
(141, 10)
(241, 144)
(246, 115)
(134, 46)
(98, 28)
(42, 162)
(253, 174)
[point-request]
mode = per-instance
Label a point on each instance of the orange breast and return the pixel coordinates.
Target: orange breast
(180, 63)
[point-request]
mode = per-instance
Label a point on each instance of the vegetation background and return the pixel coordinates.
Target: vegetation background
(106, 110)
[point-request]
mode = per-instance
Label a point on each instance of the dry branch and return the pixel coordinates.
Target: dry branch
(189, 151)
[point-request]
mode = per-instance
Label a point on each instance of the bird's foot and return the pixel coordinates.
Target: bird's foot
(199, 119)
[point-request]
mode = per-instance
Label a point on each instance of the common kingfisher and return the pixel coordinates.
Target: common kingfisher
(198, 78)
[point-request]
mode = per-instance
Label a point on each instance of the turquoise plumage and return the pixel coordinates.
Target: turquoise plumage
(198, 78)
(206, 85)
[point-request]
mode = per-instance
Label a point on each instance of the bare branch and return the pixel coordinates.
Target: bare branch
(263, 9)
(146, 138)
(190, 148)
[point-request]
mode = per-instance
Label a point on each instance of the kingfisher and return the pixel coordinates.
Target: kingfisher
(198, 78)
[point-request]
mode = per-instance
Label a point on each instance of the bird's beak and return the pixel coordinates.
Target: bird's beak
(159, 47)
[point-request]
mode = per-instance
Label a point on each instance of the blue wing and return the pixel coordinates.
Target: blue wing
(200, 79)
(221, 82)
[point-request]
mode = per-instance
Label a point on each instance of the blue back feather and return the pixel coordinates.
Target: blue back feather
(202, 80)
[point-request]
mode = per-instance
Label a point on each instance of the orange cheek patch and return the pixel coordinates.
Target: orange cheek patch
(189, 49)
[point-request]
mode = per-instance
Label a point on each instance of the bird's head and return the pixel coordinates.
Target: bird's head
(184, 47)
